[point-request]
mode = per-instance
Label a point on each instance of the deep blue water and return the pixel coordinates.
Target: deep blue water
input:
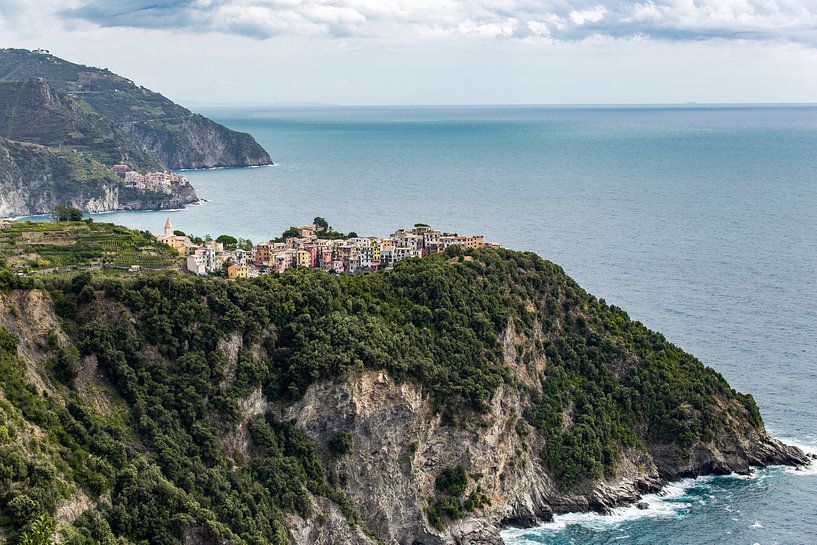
(700, 221)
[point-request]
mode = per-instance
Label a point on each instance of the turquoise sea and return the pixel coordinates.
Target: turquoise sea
(699, 221)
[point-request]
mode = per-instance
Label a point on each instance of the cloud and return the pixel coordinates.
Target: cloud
(413, 20)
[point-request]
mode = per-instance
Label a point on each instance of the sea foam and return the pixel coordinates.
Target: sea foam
(671, 501)
(809, 448)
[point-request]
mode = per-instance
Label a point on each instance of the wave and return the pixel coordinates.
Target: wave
(809, 447)
(671, 502)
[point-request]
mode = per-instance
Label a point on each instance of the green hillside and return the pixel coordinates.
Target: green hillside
(31, 111)
(135, 403)
(171, 134)
(66, 246)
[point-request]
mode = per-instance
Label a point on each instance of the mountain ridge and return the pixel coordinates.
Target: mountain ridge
(170, 133)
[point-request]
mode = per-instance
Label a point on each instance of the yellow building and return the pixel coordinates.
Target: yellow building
(303, 259)
(237, 271)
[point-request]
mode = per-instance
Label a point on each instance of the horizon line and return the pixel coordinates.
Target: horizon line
(305, 104)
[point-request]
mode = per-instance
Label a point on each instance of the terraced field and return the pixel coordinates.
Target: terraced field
(45, 247)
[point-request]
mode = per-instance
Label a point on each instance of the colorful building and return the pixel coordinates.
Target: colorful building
(237, 271)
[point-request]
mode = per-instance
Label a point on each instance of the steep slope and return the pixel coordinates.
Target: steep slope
(430, 404)
(34, 179)
(169, 133)
(31, 111)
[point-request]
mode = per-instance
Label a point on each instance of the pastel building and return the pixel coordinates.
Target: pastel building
(202, 261)
(237, 271)
(180, 243)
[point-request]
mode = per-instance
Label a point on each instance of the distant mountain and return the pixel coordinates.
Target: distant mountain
(35, 178)
(171, 134)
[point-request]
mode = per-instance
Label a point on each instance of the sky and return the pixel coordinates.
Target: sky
(360, 52)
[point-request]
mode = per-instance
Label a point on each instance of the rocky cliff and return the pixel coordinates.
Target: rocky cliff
(433, 404)
(34, 179)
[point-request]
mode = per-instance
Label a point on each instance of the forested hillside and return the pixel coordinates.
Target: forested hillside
(170, 134)
(166, 409)
(32, 111)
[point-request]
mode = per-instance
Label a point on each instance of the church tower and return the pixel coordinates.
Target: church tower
(168, 228)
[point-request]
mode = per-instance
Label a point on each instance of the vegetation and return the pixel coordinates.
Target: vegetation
(156, 464)
(33, 111)
(228, 241)
(141, 119)
(76, 245)
(66, 213)
(449, 502)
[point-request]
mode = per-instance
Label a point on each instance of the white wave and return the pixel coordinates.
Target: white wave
(809, 448)
(664, 504)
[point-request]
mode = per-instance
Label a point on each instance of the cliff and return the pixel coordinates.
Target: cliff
(431, 404)
(170, 134)
(34, 178)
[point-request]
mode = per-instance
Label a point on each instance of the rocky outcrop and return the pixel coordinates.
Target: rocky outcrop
(399, 446)
(328, 528)
(33, 179)
(397, 443)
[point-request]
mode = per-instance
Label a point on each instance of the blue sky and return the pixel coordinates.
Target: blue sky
(437, 51)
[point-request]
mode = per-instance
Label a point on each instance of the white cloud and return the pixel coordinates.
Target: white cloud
(588, 15)
(419, 20)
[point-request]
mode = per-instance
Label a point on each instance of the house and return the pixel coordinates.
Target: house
(202, 261)
(303, 258)
(305, 231)
(237, 271)
(263, 253)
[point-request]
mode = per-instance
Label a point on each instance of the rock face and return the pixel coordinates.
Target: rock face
(399, 445)
(33, 179)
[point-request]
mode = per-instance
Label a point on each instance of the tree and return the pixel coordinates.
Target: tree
(40, 532)
(227, 240)
(66, 213)
(179, 233)
(289, 233)
(321, 223)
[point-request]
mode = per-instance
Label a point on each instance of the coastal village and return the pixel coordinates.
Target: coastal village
(160, 182)
(313, 246)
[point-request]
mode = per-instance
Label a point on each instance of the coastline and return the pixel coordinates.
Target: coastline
(667, 500)
(237, 167)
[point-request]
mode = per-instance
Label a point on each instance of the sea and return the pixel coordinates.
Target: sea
(700, 221)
